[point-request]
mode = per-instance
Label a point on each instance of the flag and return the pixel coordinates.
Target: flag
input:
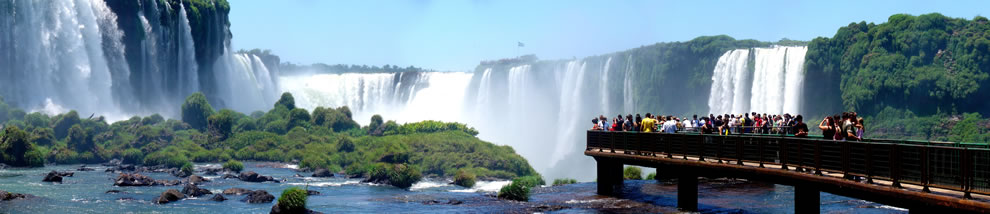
(521, 44)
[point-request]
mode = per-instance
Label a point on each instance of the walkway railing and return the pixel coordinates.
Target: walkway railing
(960, 167)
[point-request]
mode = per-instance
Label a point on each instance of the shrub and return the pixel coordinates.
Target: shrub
(651, 176)
(298, 118)
(464, 178)
(530, 181)
(514, 191)
(220, 126)
(16, 143)
(196, 110)
(167, 157)
(287, 101)
(78, 140)
(398, 175)
(293, 200)
(43, 136)
(187, 168)
(563, 181)
(64, 122)
(632, 173)
(132, 156)
(277, 127)
(233, 165)
(344, 144)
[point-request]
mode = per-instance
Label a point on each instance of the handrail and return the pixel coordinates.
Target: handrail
(946, 166)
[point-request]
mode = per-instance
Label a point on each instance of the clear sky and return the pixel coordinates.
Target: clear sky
(456, 35)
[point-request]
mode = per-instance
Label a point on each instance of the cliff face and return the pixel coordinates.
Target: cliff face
(155, 37)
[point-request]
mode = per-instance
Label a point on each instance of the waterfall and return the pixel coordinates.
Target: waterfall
(729, 93)
(570, 109)
(188, 76)
(774, 86)
(431, 96)
(794, 79)
(244, 83)
(67, 52)
(627, 87)
(603, 86)
(484, 90)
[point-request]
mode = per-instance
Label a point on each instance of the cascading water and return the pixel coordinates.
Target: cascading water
(774, 86)
(603, 86)
(570, 106)
(77, 54)
(188, 81)
(58, 50)
(728, 92)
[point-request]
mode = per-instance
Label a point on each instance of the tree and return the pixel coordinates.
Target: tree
(220, 126)
(298, 118)
(78, 140)
(15, 146)
(286, 100)
(64, 122)
(196, 110)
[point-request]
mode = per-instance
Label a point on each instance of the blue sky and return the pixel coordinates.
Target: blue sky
(456, 35)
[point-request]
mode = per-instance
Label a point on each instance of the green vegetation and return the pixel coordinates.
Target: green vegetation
(651, 176)
(464, 178)
(913, 77)
(187, 168)
(515, 191)
(293, 200)
(327, 138)
(563, 181)
(233, 166)
(530, 181)
(925, 64)
(398, 175)
(290, 68)
(632, 173)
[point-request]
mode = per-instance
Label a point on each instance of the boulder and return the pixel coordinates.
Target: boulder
(212, 171)
(6, 196)
(278, 210)
(323, 173)
(113, 162)
(228, 176)
(83, 168)
(170, 195)
(251, 176)
(218, 197)
(235, 191)
(113, 191)
(53, 176)
(258, 197)
(312, 192)
(196, 179)
(135, 179)
(194, 191)
(4, 166)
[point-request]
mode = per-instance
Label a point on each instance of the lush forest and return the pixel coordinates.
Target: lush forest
(919, 77)
(324, 138)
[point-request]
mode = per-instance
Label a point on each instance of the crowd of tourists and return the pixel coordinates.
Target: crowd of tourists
(845, 126)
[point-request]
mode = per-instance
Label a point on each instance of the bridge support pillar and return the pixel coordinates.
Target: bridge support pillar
(687, 190)
(609, 177)
(807, 199)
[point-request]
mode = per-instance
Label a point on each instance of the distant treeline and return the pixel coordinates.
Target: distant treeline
(291, 68)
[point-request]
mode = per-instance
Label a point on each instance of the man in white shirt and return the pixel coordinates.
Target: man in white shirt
(670, 126)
